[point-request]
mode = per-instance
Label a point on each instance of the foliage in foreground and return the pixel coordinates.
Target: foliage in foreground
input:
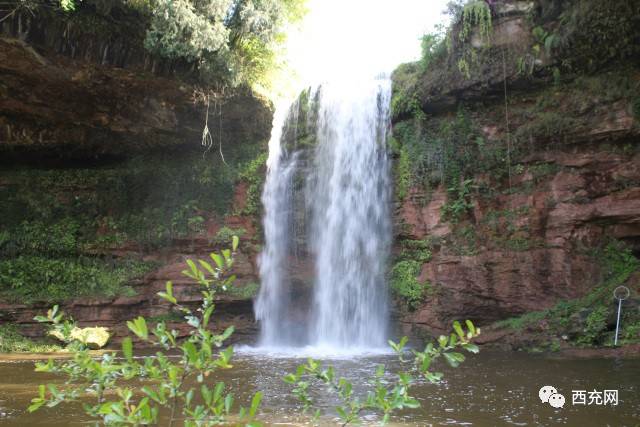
(132, 391)
(129, 391)
(385, 397)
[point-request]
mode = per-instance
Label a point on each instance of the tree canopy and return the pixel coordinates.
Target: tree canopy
(228, 41)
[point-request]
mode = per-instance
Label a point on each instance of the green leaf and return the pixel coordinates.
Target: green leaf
(426, 363)
(411, 403)
(168, 295)
(458, 329)
(234, 243)
(454, 359)
(470, 347)
(217, 259)
(228, 402)
(255, 403)
(290, 378)
(442, 341)
(139, 327)
(207, 267)
(190, 351)
(471, 327)
(206, 315)
(152, 394)
(127, 348)
(193, 267)
(226, 253)
(433, 377)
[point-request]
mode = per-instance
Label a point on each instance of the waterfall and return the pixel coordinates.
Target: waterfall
(328, 179)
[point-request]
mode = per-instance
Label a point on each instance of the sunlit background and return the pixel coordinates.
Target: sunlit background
(356, 38)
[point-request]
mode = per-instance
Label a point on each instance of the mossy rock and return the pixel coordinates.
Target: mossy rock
(93, 337)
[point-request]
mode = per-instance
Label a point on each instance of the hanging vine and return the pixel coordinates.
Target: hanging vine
(474, 14)
(207, 138)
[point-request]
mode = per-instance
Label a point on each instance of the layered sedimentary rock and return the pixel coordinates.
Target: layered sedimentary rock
(98, 134)
(549, 165)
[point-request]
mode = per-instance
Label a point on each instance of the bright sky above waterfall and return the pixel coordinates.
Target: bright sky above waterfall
(341, 37)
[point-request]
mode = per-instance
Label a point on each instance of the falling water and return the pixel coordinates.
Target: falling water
(345, 216)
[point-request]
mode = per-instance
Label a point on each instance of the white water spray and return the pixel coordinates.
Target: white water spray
(346, 217)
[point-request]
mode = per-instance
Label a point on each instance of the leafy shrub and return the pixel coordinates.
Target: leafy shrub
(402, 174)
(36, 237)
(384, 397)
(225, 234)
(253, 173)
(433, 47)
(595, 325)
(458, 202)
(175, 385)
(416, 250)
(405, 283)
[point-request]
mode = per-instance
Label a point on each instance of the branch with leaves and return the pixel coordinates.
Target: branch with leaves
(106, 384)
(384, 398)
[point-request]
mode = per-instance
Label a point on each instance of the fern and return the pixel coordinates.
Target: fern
(476, 14)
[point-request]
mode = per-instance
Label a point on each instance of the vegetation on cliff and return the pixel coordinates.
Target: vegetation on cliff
(11, 341)
(62, 229)
(484, 125)
(225, 42)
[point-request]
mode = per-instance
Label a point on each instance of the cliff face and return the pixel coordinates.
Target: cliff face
(517, 180)
(101, 166)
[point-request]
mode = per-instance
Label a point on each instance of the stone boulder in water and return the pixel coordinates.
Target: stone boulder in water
(94, 337)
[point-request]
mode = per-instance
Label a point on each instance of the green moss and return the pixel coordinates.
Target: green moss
(253, 173)
(546, 125)
(416, 250)
(28, 279)
(402, 175)
(405, 284)
(458, 201)
(248, 291)
(148, 200)
(596, 33)
(519, 323)
(11, 341)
